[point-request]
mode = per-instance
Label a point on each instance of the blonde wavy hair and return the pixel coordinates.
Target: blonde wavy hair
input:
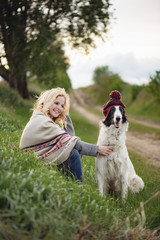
(47, 98)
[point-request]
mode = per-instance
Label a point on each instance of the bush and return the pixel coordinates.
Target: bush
(10, 96)
(154, 85)
(135, 90)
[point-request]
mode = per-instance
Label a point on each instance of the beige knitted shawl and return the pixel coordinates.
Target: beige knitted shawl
(47, 139)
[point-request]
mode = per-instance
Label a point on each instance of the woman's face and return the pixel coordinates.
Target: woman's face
(57, 107)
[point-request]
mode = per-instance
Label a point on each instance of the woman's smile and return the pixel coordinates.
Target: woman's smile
(57, 107)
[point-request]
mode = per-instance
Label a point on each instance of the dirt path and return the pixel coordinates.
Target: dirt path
(144, 144)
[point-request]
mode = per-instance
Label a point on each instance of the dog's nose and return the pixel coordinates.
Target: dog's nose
(118, 119)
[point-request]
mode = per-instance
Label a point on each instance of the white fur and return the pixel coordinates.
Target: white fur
(115, 172)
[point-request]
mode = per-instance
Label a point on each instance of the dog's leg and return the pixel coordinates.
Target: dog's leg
(124, 187)
(101, 184)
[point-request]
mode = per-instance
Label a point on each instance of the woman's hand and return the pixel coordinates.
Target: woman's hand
(105, 150)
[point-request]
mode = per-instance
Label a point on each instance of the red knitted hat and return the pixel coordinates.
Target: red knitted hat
(115, 100)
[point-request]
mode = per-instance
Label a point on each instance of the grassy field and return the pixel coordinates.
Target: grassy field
(38, 202)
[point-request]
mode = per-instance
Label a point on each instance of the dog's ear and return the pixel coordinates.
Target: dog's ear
(124, 117)
(107, 121)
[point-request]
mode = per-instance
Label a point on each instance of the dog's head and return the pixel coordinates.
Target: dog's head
(115, 117)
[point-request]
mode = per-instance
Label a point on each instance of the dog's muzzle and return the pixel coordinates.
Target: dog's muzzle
(117, 122)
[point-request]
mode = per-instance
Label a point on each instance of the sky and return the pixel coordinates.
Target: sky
(132, 48)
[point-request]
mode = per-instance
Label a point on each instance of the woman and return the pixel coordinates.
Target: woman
(50, 134)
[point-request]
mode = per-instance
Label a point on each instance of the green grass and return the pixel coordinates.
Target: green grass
(38, 202)
(85, 130)
(147, 109)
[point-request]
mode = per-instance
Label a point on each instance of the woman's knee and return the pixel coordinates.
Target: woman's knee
(75, 154)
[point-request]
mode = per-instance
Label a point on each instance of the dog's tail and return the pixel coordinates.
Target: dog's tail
(136, 184)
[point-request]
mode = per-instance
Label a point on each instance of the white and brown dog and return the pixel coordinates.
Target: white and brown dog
(115, 172)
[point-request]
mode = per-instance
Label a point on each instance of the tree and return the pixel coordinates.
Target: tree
(50, 65)
(100, 73)
(23, 23)
(107, 81)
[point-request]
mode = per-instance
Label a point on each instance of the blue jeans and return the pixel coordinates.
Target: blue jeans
(75, 165)
(72, 166)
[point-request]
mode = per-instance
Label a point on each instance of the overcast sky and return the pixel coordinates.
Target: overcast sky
(132, 49)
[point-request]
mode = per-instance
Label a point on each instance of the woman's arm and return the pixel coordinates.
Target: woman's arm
(92, 149)
(86, 148)
(69, 128)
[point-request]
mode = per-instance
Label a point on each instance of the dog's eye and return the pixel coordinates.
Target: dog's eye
(121, 109)
(112, 109)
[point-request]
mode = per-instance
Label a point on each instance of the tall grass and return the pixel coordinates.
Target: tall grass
(38, 202)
